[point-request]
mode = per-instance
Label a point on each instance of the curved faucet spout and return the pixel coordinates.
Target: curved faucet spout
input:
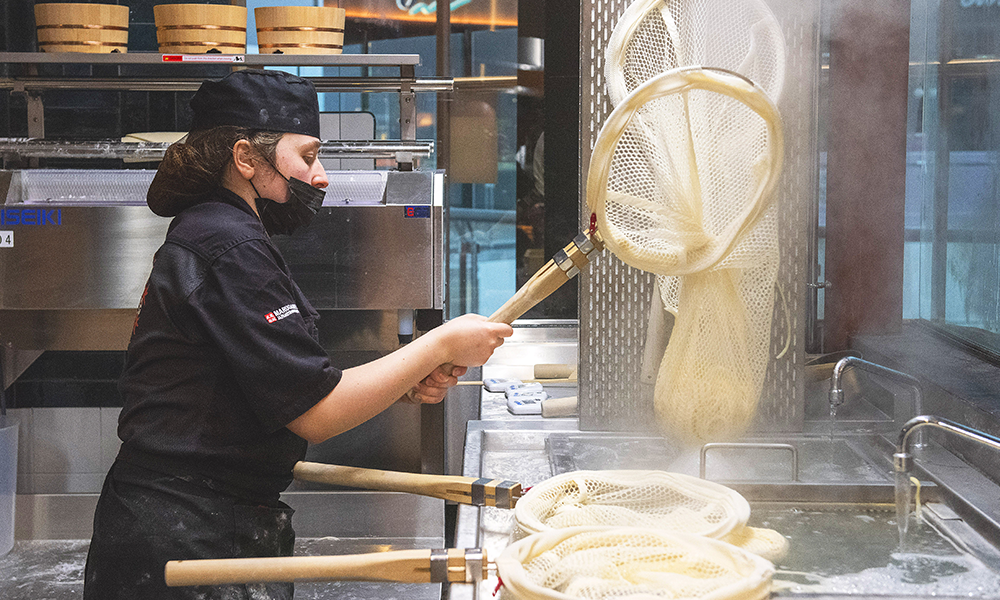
(837, 390)
(902, 460)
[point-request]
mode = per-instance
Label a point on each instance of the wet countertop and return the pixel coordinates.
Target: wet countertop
(53, 570)
(325, 523)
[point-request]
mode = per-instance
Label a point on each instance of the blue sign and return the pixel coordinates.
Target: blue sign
(31, 216)
(420, 211)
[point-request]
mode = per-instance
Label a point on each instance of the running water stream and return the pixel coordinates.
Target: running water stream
(904, 498)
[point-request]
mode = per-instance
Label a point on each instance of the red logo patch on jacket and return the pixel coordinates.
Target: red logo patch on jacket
(281, 313)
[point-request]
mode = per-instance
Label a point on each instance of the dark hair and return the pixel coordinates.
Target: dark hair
(192, 169)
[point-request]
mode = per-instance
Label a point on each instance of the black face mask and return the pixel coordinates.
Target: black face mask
(303, 202)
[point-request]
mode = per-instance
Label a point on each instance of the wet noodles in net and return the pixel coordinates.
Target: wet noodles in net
(681, 182)
(609, 562)
(648, 499)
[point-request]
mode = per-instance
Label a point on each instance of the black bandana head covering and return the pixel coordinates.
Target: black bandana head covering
(258, 99)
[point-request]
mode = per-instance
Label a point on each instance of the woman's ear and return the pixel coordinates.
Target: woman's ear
(244, 159)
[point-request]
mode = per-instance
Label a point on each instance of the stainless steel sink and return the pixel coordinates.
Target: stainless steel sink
(839, 514)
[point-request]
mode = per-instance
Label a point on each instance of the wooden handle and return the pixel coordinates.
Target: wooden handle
(573, 257)
(464, 490)
(402, 566)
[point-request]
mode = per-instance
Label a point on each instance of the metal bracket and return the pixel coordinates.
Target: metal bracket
(439, 565)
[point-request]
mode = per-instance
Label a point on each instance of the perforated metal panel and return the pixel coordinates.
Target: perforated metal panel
(615, 298)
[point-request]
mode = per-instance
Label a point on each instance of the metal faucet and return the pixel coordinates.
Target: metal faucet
(837, 390)
(902, 460)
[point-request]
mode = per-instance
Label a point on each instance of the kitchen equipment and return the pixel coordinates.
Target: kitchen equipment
(658, 500)
(8, 481)
(583, 562)
(405, 566)
(650, 499)
(464, 490)
(655, 36)
(682, 174)
(526, 404)
(623, 498)
(201, 28)
(605, 562)
(80, 27)
(300, 29)
(613, 396)
(85, 300)
(562, 267)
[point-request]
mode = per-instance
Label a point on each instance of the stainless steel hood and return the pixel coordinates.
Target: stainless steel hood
(76, 247)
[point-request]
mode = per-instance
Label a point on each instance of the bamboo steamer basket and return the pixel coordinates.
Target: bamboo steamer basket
(300, 29)
(201, 28)
(73, 27)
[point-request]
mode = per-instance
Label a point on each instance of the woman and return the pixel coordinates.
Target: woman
(225, 381)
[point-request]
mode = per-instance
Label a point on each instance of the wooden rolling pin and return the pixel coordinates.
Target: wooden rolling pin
(464, 490)
(402, 566)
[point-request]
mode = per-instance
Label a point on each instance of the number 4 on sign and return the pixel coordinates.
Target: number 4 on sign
(6, 239)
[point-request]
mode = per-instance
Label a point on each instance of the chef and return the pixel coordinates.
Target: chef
(225, 381)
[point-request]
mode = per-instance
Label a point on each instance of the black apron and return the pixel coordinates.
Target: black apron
(145, 519)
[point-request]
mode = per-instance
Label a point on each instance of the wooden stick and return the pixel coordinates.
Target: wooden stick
(574, 256)
(464, 490)
(402, 566)
(547, 280)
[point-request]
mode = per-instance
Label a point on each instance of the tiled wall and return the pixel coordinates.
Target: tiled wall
(64, 450)
(66, 405)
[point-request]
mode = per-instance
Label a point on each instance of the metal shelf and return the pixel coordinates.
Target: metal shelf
(153, 151)
(406, 84)
(190, 84)
(249, 60)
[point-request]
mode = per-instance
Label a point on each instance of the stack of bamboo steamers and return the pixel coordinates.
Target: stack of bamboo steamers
(192, 28)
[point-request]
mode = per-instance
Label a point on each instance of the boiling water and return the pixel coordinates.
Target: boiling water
(853, 552)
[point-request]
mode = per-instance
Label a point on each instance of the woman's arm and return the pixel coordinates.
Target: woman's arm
(368, 389)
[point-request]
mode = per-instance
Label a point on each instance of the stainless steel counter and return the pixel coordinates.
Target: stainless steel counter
(50, 567)
(839, 513)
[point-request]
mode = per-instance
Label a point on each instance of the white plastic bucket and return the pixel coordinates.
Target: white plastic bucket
(8, 482)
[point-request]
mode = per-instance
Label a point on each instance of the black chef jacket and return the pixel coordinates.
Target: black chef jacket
(224, 353)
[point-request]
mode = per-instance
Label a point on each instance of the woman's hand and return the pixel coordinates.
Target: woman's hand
(435, 386)
(470, 340)
(433, 360)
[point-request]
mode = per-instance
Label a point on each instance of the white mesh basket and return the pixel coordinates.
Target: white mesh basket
(608, 562)
(652, 499)
(655, 36)
(681, 183)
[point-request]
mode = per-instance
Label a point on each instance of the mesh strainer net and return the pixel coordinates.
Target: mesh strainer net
(655, 36)
(743, 36)
(648, 499)
(608, 562)
(681, 182)
(653, 499)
